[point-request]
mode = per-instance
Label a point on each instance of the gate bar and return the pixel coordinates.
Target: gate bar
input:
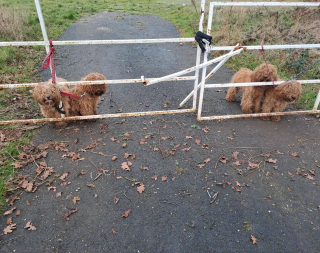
(202, 65)
(286, 4)
(118, 81)
(118, 115)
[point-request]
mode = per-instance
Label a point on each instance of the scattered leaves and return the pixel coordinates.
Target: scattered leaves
(125, 165)
(235, 155)
(254, 240)
(75, 199)
(270, 160)
(126, 213)
(10, 211)
(30, 226)
(66, 216)
(9, 228)
(141, 188)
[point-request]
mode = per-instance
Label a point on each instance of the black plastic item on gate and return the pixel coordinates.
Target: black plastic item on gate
(203, 38)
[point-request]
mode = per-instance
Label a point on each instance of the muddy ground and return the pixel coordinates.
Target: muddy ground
(215, 187)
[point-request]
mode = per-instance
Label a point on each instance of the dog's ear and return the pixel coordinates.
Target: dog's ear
(37, 93)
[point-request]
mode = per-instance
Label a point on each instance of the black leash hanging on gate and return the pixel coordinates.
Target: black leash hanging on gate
(203, 38)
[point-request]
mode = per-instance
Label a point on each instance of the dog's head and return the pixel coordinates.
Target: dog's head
(264, 73)
(289, 91)
(48, 93)
(96, 89)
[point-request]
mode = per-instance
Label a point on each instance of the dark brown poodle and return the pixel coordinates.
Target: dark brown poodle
(87, 105)
(276, 99)
(252, 95)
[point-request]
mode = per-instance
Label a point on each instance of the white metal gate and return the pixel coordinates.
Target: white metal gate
(234, 50)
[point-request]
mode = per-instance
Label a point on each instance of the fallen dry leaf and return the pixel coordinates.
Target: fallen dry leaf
(144, 168)
(140, 188)
(254, 240)
(18, 213)
(295, 154)
(9, 220)
(58, 194)
(125, 165)
(66, 216)
(253, 165)
(270, 160)
(313, 172)
(197, 141)
(75, 199)
(52, 188)
(114, 158)
(229, 183)
(189, 137)
(235, 155)
(205, 146)
(207, 160)
(120, 177)
(237, 163)
(10, 211)
(126, 213)
(27, 202)
(164, 178)
(115, 232)
(223, 159)
(155, 177)
(201, 165)
(91, 185)
(206, 129)
(9, 228)
(309, 177)
(30, 226)
(186, 149)
(116, 200)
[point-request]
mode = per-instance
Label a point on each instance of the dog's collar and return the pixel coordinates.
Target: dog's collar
(60, 109)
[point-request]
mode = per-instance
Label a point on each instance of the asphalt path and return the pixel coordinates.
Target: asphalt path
(205, 198)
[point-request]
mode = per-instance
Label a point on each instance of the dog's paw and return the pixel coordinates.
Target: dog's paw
(275, 118)
(230, 99)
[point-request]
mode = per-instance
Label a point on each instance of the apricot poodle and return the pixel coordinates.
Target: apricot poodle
(87, 105)
(252, 95)
(52, 103)
(277, 98)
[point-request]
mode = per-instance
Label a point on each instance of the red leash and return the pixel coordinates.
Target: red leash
(50, 56)
(71, 95)
(265, 60)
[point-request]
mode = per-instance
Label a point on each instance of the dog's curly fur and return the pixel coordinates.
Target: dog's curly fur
(276, 99)
(252, 95)
(48, 96)
(87, 105)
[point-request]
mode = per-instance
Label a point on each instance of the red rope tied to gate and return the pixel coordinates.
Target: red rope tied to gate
(265, 60)
(50, 56)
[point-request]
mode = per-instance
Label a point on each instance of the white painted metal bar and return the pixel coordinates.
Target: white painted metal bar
(316, 103)
(118, 115)
(254, 115)
(224, 85)
(202, 65)
(204, 70)
(307, 46)
(198, 59)
(43, 29)
(118, 81)
(285, 4)
(95, 42)
(216, 68)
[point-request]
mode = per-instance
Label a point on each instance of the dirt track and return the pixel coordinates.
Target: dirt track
(272, 200)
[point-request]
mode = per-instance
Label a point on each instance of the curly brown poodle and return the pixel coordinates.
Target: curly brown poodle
(87, 105)
(252, 95)
(52, 103)
(276, 99)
